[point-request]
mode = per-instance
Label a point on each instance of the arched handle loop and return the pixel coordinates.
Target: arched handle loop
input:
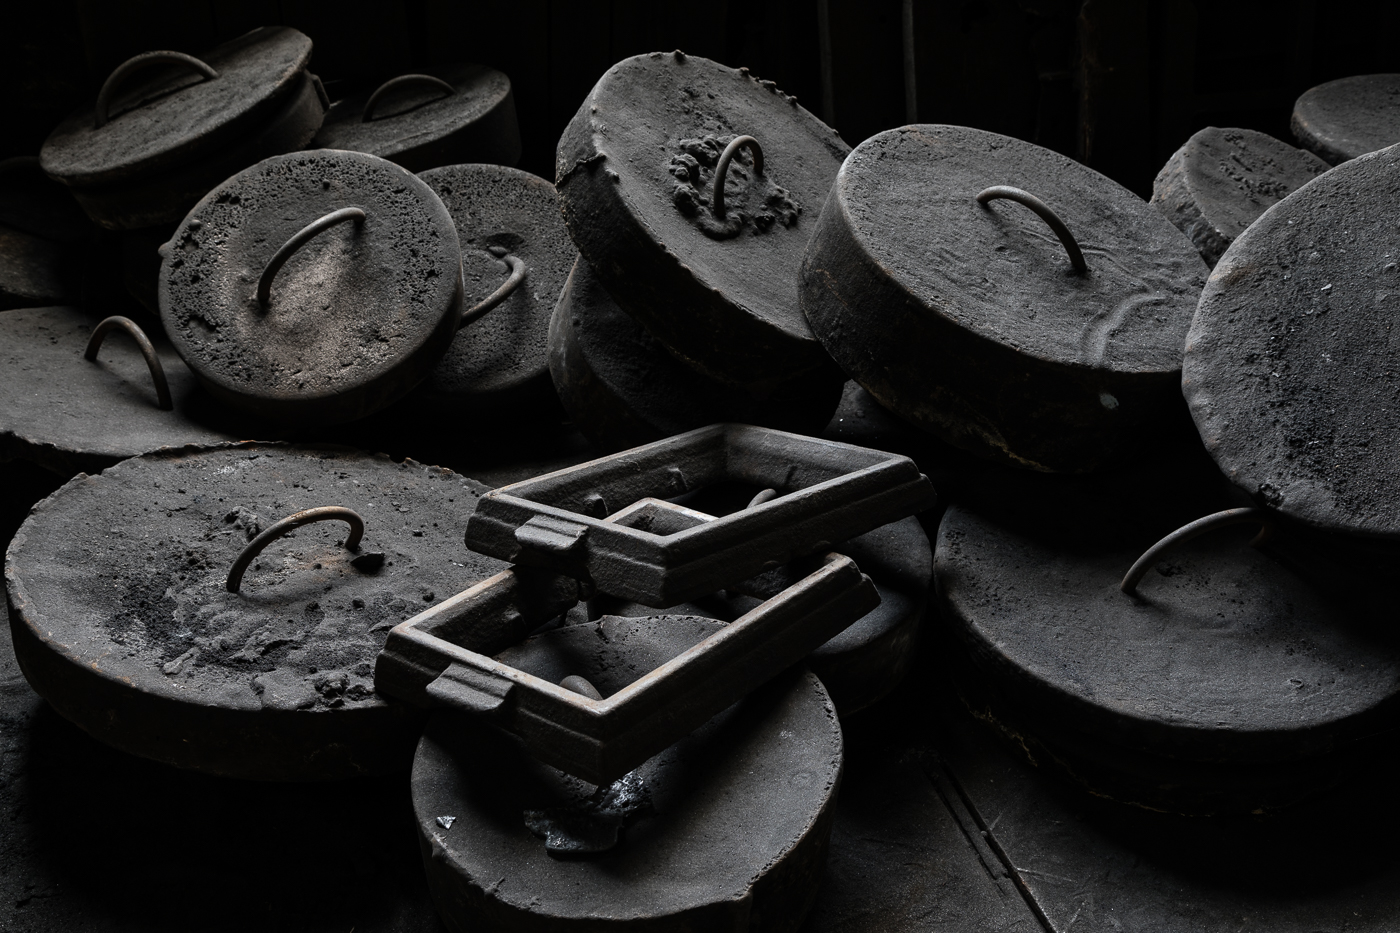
(517, 275)
(116, 322)
(722, 168)
(295, 520)
(1195, 529)
(140, 63)
(400, 81)
(299, 240)
(1043, 211)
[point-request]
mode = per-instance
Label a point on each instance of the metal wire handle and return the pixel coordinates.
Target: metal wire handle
(400, 81)
(1043, 211)
(117, 322)
(297, 241)
(295, 520)
(141, 63)
(722, 167)
(517, 275)
(1194, 530)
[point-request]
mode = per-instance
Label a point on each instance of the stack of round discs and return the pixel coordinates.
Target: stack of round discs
(623, 388)
(124, 621)
(965, 314)
(1290, 367)
(456, 113)
(498, 363)
(1349, 117)
(1220, 181)
(725, 830)
(313, 287)
(149, 149)
(72, 414)
(708, 266)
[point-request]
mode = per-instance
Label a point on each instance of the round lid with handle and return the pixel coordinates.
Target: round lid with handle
(1348, 117)
(313, 287)
(161, 109)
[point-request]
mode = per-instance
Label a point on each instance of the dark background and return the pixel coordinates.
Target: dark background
(1118, 84)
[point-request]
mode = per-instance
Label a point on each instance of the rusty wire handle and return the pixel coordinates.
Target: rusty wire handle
(140, 63)
(106, 326)
(400, 81)
(1195, 529)
(722, 167)
(297, 241)
(517, 275)
(1042, 210)
(295, 520)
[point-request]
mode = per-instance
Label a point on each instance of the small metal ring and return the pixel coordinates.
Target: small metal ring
(295, 520)
(106, 326)
(517, 275)
(399, 82)
(297, 241)
(140, 63)
(1042, 210)
(722, 167)
(1195, 529)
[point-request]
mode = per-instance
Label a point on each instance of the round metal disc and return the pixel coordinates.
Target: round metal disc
(72, 415)
(725, 830)
(503, 355)
(35, 271)
(122, 621)
(635, 170)
(1290, 367)
(623, 388)
(970, 321)
(420, 127)
(355, 319)
(1220, 181)
(1349, 117)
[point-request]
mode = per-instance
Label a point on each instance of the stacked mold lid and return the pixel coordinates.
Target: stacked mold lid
(1052, 342)
(46, 241)
(690, 189)
(167, 126)
(457, 113)
(1349, 117)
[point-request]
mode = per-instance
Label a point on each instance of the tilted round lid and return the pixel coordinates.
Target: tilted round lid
(174, 114)
(1349, 117)
(1221, 180)
(636, 174)
(1290, 367)
(413, 111)
(364, 306)
(500, 210)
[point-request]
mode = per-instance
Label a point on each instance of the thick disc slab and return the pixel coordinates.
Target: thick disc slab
(969, 320)
(725, 830)
(1220, 181)
(1349, 117)
(1290, 364)
(635, 170)
(36, 272)
(121, 618)
(623, 388)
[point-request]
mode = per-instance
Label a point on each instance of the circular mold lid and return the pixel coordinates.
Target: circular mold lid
(1349, 117)
(356, 317)
(1290, 367)
(636, 174)
(171, 115)
(124, 623)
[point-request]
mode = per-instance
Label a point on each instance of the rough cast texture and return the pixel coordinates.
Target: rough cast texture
(970, 322)
(356, 317)
(1220, 181)
(1290, 366)
(635, 173)
(1349, 117)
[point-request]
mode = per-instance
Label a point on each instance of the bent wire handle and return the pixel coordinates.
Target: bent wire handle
(1042, 210)
(1194, 530)
(106, 326)
(140, 63)
(517, 275)
(295, 520)
(400, 81)
(722, 167)
(297, 241)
